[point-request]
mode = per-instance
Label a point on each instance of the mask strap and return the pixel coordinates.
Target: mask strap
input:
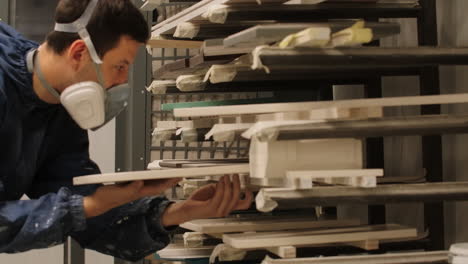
(33, 65)
(89, 44)
(79, 26)
(100, 77)
(80, 23)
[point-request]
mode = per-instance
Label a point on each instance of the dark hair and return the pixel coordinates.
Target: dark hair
(111, 20)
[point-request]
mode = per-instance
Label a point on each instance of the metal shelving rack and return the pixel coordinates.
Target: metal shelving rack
(133, 151)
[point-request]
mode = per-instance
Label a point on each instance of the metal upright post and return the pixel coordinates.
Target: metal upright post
(375, 146)
(133, 126)
(431, 145)
(132, 149)
(375, 152)
(73, 253)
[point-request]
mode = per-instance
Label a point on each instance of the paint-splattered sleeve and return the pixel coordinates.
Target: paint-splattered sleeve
(39, 223)
(130, 232)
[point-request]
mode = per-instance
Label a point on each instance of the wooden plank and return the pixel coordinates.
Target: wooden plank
(172, 106)
(363, 57)
(179, 251)
(167, 71)
(294, 107)
(246, 76)
(188, 30)
(201, 61)
(266, 34)
(173, 43)
(204, 162)
(311, 12)
(160, 174)
(215, 47)
(375, 127)
(324, 114)
(311, 237)
(392, 258)
(382, 194)
(247, 224)
(366, 245)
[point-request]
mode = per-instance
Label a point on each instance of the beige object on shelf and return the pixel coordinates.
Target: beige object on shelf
(226, 253)
(352, 36)
(216, 14)
(310, 37)
(273, 159)
(364, 178)
(190, 83)
(160, 86)
(227, 132)
(186, 30)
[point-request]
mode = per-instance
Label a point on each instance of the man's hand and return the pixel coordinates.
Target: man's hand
(107, 197)
(214, 200)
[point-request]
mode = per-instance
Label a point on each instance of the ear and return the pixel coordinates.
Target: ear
(77, 54)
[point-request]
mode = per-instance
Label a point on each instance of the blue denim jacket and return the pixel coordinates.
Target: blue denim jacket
(41, 150)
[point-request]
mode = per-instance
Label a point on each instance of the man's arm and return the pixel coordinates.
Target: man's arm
(140, 226)
(121, 231)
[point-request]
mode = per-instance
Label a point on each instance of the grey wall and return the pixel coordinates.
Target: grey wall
(33, 18)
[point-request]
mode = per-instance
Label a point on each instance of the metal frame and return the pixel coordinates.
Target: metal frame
(133, 150)
(73, 253)
(431, 145)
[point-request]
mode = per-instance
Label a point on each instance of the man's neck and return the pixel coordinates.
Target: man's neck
(50, 67)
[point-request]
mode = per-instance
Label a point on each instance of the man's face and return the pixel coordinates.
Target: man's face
(116, 63)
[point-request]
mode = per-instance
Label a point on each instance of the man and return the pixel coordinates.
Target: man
(75, 81)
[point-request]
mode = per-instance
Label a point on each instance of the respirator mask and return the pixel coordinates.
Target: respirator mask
(88, 103)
